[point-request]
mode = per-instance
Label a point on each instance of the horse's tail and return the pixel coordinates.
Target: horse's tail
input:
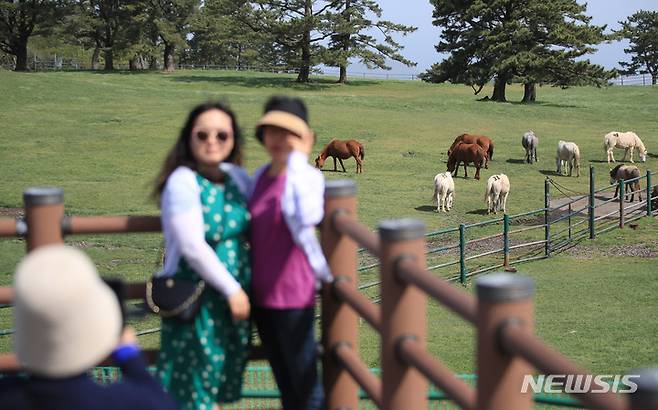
(576, 153)
(362, 152)
(490, 150)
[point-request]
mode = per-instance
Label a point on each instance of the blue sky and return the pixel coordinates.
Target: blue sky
(419, 46)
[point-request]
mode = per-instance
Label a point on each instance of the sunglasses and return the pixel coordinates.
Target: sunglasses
(203, 135)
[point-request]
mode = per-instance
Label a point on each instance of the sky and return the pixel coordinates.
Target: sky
(419, 46)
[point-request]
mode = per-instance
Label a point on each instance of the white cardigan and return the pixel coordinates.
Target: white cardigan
(182, 219)
(302, 205)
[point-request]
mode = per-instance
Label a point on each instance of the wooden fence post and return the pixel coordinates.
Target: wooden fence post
(404, 308)
(502, 297)
(646, 395)
(44, 211)
(339, 321)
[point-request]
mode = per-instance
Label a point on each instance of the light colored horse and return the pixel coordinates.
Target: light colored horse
(444, 191)
(627, 140)
(567, 153)
(530, 142)
(496, 194)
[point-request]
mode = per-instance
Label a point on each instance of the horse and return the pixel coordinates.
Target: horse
(444, 191)
(567, 153)
(627, 140)
(627, 172)
(530, 142)
(466, 153)
(496, 194)
(654, 198)
(342, 150)
(485, 142)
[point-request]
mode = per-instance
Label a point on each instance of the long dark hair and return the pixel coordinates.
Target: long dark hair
(181, 154)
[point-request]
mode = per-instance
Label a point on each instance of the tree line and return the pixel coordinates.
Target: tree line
(533, 42)
(264, 33)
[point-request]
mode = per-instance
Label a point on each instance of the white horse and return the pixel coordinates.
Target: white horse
(530, 142)
(444, 191)
(567, 153)
(627, 140)
(496, 194)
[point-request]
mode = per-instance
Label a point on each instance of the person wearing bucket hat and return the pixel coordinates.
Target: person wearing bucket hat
(67, 320)
(286, 202)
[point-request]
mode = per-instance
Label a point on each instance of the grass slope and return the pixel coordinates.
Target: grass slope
(102, 137)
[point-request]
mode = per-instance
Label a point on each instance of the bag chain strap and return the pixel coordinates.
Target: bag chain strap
(201, 285)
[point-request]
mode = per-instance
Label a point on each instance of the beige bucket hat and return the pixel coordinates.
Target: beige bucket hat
(285, 112)
(66, 318)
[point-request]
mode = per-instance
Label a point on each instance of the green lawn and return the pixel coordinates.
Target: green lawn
(102, 138)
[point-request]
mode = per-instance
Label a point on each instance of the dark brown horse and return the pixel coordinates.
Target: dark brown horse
(627, 172)
(485, 142)
(466, 153)
(342, 150)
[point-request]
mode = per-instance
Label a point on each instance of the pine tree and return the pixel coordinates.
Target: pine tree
(641, 29)
(172, 19)
(351, 22)
(528, 41)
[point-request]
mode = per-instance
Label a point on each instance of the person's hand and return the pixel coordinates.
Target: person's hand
(128, 337)
(239, 305)
(303, 144)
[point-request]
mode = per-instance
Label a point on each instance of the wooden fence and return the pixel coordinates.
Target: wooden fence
(502, 312)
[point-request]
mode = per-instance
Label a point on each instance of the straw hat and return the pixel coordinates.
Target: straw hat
(287, 113)
(66, 319)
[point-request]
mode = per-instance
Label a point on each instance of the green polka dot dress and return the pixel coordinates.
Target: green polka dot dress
(202, 362)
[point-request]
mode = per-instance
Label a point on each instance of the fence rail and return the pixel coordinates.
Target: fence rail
(502, 312)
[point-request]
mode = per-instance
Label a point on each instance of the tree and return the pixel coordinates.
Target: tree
(172, 19)
(529, 41)
(641, 30)
(298, 26)
(220, 38)
(20, 19)
(351, 21)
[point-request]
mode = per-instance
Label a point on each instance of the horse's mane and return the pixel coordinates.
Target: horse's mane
(640, 144)
(613, 171)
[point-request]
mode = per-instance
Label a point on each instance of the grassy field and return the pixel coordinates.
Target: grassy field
(102, 138)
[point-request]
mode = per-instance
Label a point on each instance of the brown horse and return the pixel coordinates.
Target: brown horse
(627, 172)
(466, 153)
(485, 142)
(342, 150)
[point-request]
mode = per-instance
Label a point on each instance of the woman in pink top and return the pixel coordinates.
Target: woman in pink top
(285, 205)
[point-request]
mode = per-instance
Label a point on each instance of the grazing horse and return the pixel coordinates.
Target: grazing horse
(444, 191)
(567, 153)
(530, 142)
(626, 140)
(654, 198)
(466, 153)
(627, 172)
(485, 142)
(496, 194)
(342, 150)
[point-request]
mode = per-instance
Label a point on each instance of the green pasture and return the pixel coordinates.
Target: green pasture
(102, 138)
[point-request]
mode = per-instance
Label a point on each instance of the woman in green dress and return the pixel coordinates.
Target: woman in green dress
(204, 222)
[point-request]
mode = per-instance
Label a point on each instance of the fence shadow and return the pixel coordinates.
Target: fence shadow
(548, 172)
